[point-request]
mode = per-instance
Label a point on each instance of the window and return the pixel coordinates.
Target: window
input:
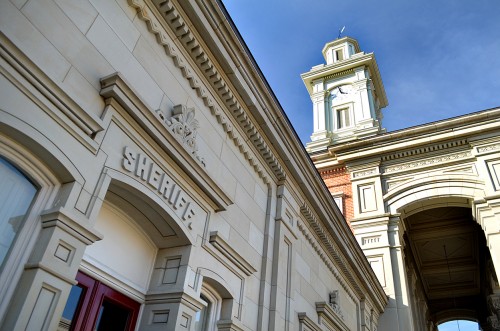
(343, 118)
(339, 201)
(93, 306)
(16, 194)
(351, 50)
(206, 319)
(339, 55)
(202, 318)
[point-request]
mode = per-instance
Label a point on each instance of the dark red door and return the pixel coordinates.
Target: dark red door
(93, 306)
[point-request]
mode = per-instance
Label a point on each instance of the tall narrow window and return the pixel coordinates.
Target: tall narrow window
(202, 318)
(351, 50)
(339, 55)
(339, 201)
(206, 319)
(16, 195)
(343, 119)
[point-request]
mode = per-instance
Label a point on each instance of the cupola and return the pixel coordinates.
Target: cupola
(347, 95)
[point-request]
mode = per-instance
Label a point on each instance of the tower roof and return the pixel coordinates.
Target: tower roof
(338, 42)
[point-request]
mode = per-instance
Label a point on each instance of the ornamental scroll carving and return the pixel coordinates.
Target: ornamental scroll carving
(488, 148)
(428, 162)
(183, 125)
(334, 303)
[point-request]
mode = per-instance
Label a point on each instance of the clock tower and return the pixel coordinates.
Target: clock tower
(347, 95)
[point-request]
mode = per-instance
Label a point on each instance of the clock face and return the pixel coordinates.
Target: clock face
(341, 91)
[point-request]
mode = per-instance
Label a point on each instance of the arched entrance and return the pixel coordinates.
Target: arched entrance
(448, 264)
(459, 325)
(447, 250)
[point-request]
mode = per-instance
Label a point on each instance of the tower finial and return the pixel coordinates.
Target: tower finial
(340, 31)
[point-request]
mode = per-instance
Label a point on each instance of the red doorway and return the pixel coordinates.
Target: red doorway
(94, 306)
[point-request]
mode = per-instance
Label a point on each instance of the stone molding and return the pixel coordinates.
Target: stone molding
(329, 172)
(489, 148)
(227, 325)
(424, 150)
(330, 317)
(364, 173)
(307, 324)
(225, 249)
(60, 106)
(182, 31)
(325, 238)
(61, 218)
(427, 162)
(337, 74)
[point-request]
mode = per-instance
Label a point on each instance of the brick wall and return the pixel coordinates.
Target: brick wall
(338, 180)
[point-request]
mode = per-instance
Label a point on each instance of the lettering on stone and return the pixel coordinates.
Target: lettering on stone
(148, 171)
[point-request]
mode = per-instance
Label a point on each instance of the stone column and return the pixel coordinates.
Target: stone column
(41, 294)
(398, 315)
(173, 299)
(320, 125)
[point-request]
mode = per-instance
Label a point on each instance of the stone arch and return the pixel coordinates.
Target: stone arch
(217, 282)
(447, 189)
(448, 195)
(141, 216)
(214, 287)
(164, 227)
(456, 314)
(50, 226)
(38, 145)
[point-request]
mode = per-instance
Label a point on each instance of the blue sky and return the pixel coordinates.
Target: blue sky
(458, 326)
(438, 59)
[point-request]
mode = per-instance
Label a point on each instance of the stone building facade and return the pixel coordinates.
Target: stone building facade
(151, 181)
(423, 202)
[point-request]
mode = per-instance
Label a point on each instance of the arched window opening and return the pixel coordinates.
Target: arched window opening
(17, 193)
(458, 325)
(206, 319)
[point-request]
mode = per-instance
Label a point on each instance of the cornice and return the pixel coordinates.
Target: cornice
(48, 95)
(225, 249)
(172, 19)
(332, 171)
(338, 74)
(350, 63)
(449, 133)
(318, 248)
(425, 150)
(357, 60)
(325, 237)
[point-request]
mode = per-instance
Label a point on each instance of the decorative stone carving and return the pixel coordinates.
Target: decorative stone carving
(337, 310)
(489, 148)
(428, 162)
(202, 60)
(494, 304)
(493, 323)
(364, 173)
(183, 125)
(334, 303)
